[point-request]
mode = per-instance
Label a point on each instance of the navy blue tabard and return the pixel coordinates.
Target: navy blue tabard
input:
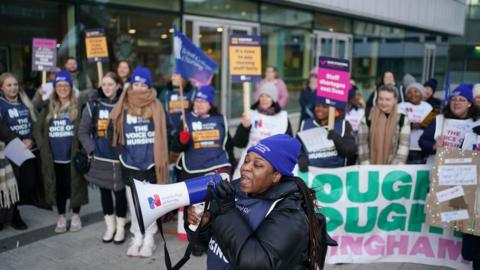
(16, 117)
(206, 149)
(100, 113)
(173, 106)
(325, 156)
(139, 139)
(60, 137)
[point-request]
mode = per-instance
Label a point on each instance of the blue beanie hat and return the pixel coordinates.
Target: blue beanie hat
(141, 75)
(206, 93)
(63, 76)
(465, 90)
(281, 151)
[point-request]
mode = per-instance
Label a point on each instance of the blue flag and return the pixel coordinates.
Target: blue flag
(446, 91)
(191, 62)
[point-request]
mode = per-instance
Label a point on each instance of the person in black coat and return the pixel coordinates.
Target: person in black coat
(430, 88)
(307, 98)
(265, 219)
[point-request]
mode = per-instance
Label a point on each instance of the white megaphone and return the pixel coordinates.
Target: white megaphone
(153, 201)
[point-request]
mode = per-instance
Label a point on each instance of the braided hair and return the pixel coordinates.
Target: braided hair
(316, 248)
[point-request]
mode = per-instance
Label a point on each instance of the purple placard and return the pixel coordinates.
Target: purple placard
(333, 81)
(44, 54)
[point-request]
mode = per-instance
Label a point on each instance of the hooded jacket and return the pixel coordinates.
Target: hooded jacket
(279, 242)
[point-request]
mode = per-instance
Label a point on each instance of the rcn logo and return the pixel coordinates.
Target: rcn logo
(13, 113)
(154, 201)
(258, 123)
(103, 114)
(197, 125)
(131, 119)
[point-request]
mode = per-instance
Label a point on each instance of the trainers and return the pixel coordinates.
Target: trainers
(76, 223)
(61, 225)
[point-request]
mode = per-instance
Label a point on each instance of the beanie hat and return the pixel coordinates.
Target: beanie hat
(407, 80)
(280, 150)
(206, 93)
(141, 75)
(417, 86)
(352, 92)
(63, 76)
(465, 90)
(476, 90)
(432, 83)
(269, 89)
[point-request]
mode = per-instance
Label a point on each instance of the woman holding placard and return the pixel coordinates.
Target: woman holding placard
(265, 119)
(57, 128)
(449, 129)
(17, 113)
(139, 129)
(105, 171)
(417, 110)
(384, 134)
(325, 148)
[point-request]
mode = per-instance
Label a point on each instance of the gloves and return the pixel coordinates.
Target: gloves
(303, 163)
(332, 135)
(476, 130)
(224, 200)
(184, 137)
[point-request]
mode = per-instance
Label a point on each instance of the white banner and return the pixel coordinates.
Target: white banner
(376, 213)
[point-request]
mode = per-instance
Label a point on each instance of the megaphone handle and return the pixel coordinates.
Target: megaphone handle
(188, 251)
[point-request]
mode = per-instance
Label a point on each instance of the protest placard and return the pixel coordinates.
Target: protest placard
(452, 200)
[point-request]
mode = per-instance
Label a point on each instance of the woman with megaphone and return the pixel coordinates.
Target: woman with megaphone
(264, 220)
(139, 129)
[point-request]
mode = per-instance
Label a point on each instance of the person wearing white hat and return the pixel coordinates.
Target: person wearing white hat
(416, 110)
(476, 95)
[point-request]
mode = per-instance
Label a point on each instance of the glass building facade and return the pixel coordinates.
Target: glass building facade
(464, 51)
(292, 39)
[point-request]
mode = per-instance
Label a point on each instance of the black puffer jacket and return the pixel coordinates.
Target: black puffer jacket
(279, 242)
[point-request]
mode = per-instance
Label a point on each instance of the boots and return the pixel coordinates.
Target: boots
(148, 246)
(120, 233)
(133, 249)
(110, 222)
(17, 222)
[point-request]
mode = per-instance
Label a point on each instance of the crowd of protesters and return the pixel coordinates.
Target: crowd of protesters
(128, 130)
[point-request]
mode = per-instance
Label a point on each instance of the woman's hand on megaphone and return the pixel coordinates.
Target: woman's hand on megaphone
(194, 218)
(224, 200)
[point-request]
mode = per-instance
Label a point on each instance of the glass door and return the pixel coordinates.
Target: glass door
(331, 44)
(211, 35)
(429, 62)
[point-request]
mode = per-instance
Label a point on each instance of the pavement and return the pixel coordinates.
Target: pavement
(40, 248)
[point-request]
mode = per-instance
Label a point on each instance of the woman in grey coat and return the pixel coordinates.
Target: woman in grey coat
(105, 167)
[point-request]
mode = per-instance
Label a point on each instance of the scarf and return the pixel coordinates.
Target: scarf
(139, 100)
(8, 184)
(382, 131)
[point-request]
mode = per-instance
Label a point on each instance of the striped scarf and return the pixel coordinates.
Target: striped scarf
(8, 184)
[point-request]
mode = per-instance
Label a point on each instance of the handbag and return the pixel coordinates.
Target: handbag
(81, 162)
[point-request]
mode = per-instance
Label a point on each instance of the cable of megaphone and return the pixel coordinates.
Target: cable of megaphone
(152, 201)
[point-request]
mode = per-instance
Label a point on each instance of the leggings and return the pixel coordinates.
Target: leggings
(63, 187)
(120, 202)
